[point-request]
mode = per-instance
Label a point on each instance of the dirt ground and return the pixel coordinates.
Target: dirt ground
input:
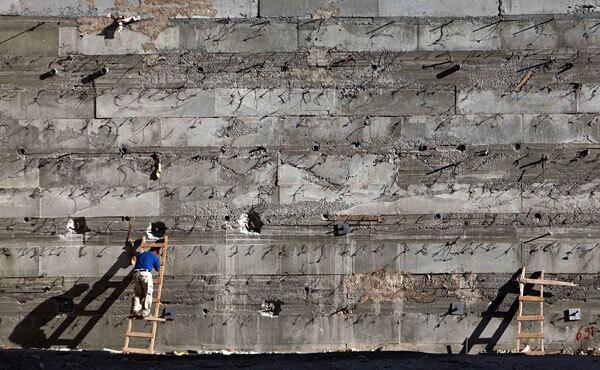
(44, 359)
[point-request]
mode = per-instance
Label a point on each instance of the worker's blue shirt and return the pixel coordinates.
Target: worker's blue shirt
(147, 261)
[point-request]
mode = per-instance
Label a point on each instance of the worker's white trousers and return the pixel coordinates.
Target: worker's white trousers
(143, 287)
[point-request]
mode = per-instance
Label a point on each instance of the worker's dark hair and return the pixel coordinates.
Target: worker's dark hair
(155, 250)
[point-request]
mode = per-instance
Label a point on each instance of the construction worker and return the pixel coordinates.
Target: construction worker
(143, 285)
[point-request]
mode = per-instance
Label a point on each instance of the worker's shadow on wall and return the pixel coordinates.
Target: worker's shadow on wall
(493, 311)
(30, 331)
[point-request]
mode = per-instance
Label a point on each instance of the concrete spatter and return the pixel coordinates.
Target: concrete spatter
(271, 130)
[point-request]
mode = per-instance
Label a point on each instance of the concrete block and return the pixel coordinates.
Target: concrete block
(107, 134)
(437, 8)
(48, 103)
(84, 261)
(378, 35)
(307, 131)
(273, 259)
(19, 262)
(98, 172)
(33, 135)
(61, 134)
(103, 202)
(125, 42)
(200, 259)
(53, 8)
(461, 257)
(546, 198)
(460, 129)
(195, 200)
(556, 256)
(16, 172)
(28, 38)
(459, 35)
(520, 7)
(190, 171)
(15, 134)
(589, 99)
(529, 101)
(561, 128)
(350, 172)
(217, 132)
(463, 199)
(263, 102)
(19, 203)
(318, 8)
(236, 8)
(581, 33)
(233, 37)
(155, 103)
(532, 35)
(396, 102)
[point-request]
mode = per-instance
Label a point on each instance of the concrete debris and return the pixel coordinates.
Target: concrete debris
(271, 308)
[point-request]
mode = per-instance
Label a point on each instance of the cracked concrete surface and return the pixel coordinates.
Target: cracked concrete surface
(250, 127)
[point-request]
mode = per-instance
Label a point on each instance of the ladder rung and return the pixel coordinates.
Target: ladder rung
(545, 282)
(153, 245)
(530, 318)
(139, 334)
(531, 298)
(147, 318)
(534, 353)
(530, 335)
(136, 350)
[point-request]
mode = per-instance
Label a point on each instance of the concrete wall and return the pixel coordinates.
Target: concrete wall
(306, 113)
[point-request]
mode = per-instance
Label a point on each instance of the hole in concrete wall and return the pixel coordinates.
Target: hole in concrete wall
(325, 216)
(204, 311)
(583, 153)
(123, 150)
(200, 69)
(78, 225)
(46, 289)
(538, 216)
(438, 216)
(271, 308)
(462, 147)
(422, 147)
(374, 67)
(356, 144)
(316, 147)
(254, 222)
(307, 289)
(284, 68)
(227, 218)
(26, 219)
(223, 150)
(156, 230)
(517, 146)
(125, 218)
(22, 151)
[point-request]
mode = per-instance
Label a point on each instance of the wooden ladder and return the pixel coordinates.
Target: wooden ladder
(154, 319)
(540, 317)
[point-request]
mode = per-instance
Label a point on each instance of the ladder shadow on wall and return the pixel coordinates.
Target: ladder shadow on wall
(29, 332)
(494, 311)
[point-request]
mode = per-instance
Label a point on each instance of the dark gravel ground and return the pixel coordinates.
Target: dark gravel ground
(43, 359)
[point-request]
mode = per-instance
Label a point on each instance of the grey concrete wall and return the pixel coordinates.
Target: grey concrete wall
(306, 113)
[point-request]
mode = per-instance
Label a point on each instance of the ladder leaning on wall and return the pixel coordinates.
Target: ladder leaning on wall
(522, 280)
(153, 318)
